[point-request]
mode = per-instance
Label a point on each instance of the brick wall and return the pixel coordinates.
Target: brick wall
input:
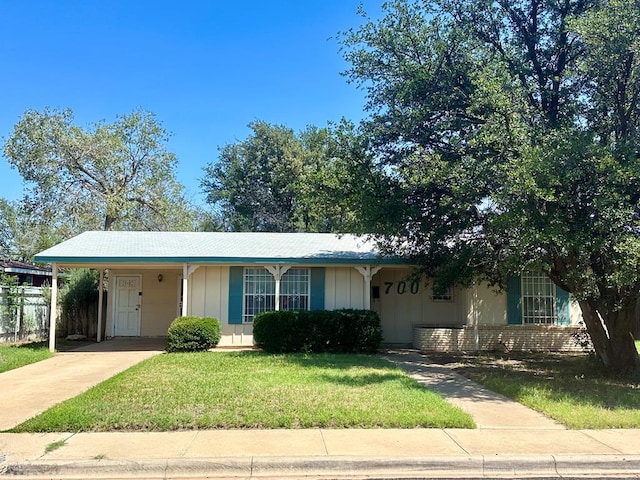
(502, 338)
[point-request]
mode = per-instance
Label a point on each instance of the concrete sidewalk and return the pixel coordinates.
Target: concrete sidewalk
(424, 453)
(511, 441)
(32, 389)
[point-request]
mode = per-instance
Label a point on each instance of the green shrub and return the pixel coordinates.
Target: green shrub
(192, 334)
(332, 331)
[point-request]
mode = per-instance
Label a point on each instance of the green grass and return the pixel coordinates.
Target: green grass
(14, 356)
(575, 390)
(252, 390)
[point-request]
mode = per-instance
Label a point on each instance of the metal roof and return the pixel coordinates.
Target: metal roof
(99, 247)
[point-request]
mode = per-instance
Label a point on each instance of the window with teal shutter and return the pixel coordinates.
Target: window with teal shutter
(534, 299)
(317, 289)
(514, 301)
(235, 295)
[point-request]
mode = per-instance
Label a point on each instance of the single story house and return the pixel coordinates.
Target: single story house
(27, 273)
(154, 277)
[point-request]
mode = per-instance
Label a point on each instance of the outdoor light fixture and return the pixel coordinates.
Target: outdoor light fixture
(160, 277)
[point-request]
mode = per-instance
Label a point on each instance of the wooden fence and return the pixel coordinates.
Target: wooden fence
(24, 313)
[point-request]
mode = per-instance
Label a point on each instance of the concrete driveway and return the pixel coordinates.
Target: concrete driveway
(32, 389)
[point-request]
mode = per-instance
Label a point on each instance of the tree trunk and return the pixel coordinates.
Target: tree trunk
(108, 222)
(614, 345)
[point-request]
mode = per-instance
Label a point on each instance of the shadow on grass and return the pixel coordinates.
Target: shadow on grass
(345, 369)
(579, 379)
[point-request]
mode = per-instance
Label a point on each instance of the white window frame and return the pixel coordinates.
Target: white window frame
(538, 297)
(284, 282)
(265, 280)
(269, 283)
(446, 295)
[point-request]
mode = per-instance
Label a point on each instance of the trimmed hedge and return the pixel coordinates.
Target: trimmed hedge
(333, 331)
(193, 334)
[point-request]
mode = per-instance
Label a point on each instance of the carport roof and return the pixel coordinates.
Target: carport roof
(99, 247)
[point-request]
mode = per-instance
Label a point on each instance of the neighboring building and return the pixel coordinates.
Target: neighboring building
(156, 276)
(27, 273)
(24, 309)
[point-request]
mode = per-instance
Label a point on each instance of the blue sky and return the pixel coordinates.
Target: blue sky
(205, 68)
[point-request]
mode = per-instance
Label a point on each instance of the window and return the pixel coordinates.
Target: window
(294, 289)
(538, 299)
(442, 294)
(259, 291)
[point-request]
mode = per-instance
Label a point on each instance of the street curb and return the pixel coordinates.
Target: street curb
(335, 466)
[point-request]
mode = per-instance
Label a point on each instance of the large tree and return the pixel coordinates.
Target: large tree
(509, 131)
(106, 176)
(277, 180)
(23, 233)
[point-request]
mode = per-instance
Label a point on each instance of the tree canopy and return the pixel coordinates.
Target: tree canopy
(105, 176)
(508, 131)
(277, 180)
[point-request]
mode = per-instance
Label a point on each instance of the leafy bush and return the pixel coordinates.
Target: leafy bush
(193, 334)
(79, 299)
(333, 331)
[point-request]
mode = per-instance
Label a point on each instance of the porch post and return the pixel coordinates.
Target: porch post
(100, 298)
(367, 272)
(185, 288)
(54, 308)
(277, 271)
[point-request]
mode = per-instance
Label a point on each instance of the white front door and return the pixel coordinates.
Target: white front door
(128, 298)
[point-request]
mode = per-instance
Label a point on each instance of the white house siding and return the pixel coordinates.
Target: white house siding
(159, 305)
(485, 306)
(487, 309)
(344, 288)
(402, 305)
(209, 297)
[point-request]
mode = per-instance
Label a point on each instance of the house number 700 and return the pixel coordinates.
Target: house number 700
(401, 287)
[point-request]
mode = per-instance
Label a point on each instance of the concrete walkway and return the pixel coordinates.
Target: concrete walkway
(34, 388)
(520, 444)
(488, 409)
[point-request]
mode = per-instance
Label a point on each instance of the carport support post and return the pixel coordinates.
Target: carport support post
(54, 308)
(100, 293)
(367, 272)
(185, 286)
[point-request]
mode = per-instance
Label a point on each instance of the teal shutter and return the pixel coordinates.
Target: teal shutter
(316, 290)
(514, 301)
(563, 311)
(235, 295)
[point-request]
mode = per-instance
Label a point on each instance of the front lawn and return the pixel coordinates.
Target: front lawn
(253, 390)
(14, 356)
(575, 390)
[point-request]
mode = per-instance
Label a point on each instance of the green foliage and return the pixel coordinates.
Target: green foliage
(193, 334)
(22, 233)
(205, 390)
(106, 176)
(15, 356)
(79, 303)
(280, 181)
(506, 133)
(11, 302)
(335, 331)
(574, 390)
